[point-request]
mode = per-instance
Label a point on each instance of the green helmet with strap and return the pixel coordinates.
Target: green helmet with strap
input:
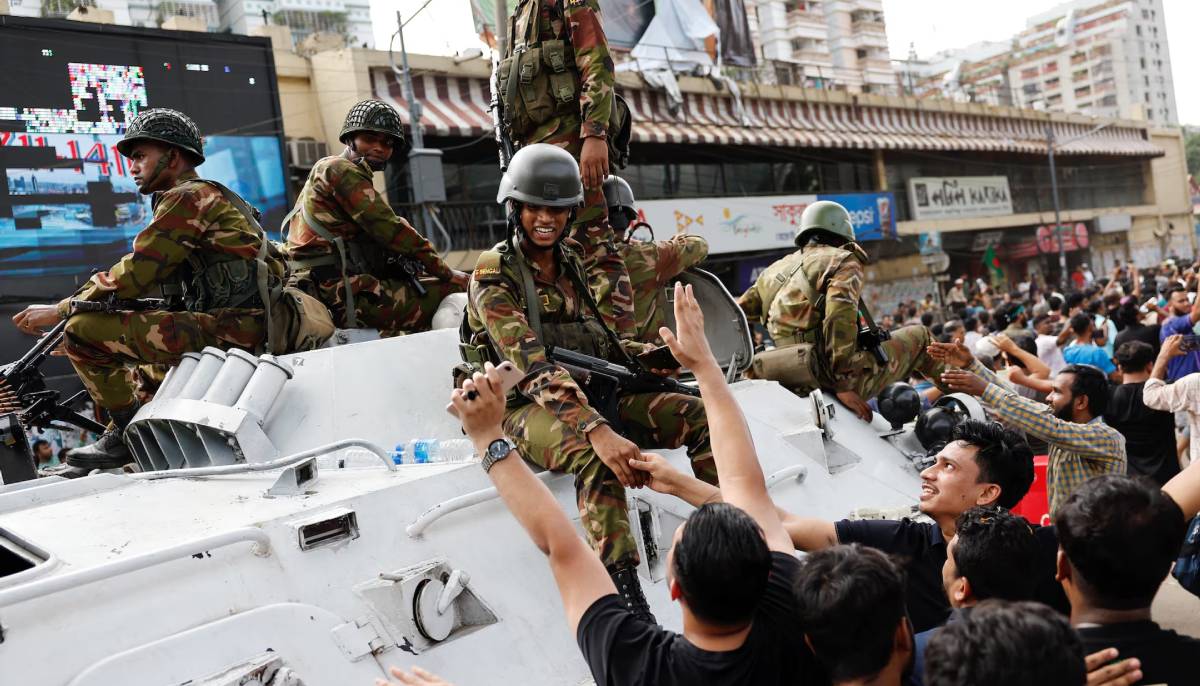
(542, 174)
(828, 217)
(164, 126)
(373, 115)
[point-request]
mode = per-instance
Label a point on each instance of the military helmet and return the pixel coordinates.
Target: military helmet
(373, 115)
(165, 126)
(618, 194)
(899, 403)
(542, 174)
(827, 216)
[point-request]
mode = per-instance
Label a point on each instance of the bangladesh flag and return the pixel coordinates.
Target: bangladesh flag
(992, 263)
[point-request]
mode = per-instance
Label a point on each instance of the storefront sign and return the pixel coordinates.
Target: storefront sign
(955, 197)
(762, 223)
(930, 243)
(1113, 223)
(1074, 237)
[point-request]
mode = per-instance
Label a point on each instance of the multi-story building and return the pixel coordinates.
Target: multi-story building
(348, 18)
(838, 44)
(1103, 58)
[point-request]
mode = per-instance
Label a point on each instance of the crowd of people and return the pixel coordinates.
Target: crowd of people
(976, 596)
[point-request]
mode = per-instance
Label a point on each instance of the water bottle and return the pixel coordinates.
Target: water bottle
(433, 451)
(398, 454)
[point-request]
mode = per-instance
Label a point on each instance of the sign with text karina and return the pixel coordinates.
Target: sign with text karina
(956, 197)
(762, 223)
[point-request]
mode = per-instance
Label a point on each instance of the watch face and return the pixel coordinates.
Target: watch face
(499, 448)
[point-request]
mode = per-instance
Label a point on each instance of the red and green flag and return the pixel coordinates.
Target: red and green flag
(991, 262)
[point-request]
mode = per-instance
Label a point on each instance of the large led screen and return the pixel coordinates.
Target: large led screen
(68, 91)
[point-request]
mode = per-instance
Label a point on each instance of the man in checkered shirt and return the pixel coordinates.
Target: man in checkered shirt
(1071, 421)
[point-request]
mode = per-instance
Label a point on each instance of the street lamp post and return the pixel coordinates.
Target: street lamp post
(1051, 141)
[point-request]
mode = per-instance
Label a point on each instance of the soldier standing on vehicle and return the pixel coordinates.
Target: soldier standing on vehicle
(527, 295)
(199, 248)
(556, 85)
(811, 304)
(651, 264)
(349, 249)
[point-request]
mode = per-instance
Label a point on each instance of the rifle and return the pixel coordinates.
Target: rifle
(114, 304)
(23, 388)
(408, 269)
(871, 337)
(504, 144)
(605, 383)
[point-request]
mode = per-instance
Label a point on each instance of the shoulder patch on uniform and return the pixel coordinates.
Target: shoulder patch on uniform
(487, 268)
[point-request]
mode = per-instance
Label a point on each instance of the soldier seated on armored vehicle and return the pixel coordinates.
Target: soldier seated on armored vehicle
(201, 248)
(651, 264)
(346, 246)
(731, 565)
(811, 304)
(529, 295)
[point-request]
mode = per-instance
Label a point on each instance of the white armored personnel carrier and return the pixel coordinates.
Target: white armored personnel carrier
(270, 538)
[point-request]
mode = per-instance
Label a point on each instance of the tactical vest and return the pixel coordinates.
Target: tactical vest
(538, 79)
(213, 280)
(589, 335)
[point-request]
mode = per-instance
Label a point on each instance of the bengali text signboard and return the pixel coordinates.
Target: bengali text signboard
(956, 197)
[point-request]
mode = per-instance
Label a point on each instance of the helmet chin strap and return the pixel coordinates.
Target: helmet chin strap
(159, 167)
(355, 156)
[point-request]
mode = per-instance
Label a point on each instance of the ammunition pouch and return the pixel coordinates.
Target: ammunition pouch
(214, 281)
(587, 337)
(795, 367)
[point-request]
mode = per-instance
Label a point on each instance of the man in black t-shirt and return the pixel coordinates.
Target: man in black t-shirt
(731, 566)
(1119, 536)
(1149, 434)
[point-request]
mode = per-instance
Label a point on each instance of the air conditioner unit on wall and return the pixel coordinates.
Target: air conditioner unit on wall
(303, 153)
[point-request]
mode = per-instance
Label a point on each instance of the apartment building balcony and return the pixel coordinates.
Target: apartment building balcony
(806, 18)
(204, 10)
(814, 57)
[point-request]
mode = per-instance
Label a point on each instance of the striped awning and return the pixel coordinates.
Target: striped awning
(458, 106)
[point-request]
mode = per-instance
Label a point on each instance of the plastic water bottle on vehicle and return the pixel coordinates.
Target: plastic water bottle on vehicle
(433, 451)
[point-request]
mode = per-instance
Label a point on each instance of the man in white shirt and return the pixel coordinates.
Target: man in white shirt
(1181, 396)
(1047, 344)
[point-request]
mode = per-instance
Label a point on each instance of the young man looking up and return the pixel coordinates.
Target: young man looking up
(984, 464)
(857, 625)
(1119, 537)
(731, 565)
(1149, 433)
(1071, 420)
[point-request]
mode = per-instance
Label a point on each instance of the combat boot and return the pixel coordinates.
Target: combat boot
(630, 590)
(109, 452)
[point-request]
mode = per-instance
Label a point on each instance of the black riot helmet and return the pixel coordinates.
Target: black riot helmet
(377, 116)
(164, 126)
(619, 198)
(899, 403)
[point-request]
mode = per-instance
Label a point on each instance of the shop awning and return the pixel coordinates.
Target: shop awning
(458, 106)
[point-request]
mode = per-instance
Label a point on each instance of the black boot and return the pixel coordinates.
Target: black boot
(110, 452)
(630, 590)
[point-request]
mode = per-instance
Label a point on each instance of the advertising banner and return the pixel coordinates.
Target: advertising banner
(956, 197)
(68, 204)
(749, 224)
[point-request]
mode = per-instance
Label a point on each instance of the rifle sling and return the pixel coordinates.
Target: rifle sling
(339, 245)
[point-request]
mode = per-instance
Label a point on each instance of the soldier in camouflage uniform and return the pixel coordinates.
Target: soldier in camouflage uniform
(346, 245)
(651, 264)
(549, 417)
(198, 245)
(811, 303)
(556, 82)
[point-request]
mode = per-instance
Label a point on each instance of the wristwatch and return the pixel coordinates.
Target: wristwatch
(497, 450)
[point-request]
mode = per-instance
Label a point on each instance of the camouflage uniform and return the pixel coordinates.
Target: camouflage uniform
(587, 113)
(651, 265)
(339, 194)
(192, 218)
(790, 319)
(551, 417)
